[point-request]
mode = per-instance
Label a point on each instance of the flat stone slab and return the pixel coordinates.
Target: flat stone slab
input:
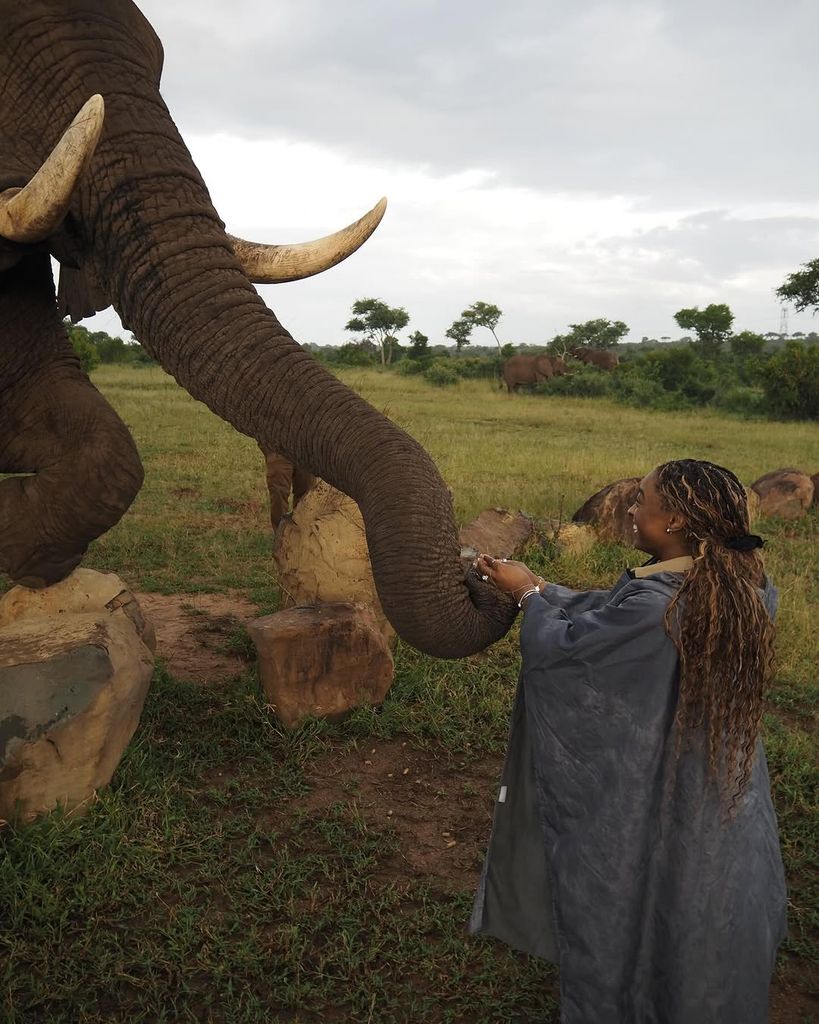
(321, 660)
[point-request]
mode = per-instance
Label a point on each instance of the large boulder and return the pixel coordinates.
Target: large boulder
(75, 667)
(497, 532)
(784, 493)
(322, 557)
(322, 660)
(607, 510)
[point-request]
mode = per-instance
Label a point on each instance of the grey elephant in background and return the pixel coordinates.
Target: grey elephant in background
(531, 370)
(119, 202)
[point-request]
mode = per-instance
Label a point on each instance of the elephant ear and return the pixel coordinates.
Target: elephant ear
(78, 296)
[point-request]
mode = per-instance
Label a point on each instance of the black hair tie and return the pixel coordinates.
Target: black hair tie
(745, 542)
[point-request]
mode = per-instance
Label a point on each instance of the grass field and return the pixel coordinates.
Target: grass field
(235, 872)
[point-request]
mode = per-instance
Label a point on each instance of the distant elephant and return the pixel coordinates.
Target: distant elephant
(123, 208)
(531, 370)
(596, 357)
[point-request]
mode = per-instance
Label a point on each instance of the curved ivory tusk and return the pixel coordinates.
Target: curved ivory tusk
(271, 264)
(34, 212)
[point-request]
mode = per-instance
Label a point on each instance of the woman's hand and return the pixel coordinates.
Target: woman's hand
(513, 578)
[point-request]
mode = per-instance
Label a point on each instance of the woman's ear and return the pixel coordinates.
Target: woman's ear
(677, 523)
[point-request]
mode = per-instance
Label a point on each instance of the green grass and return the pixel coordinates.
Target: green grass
(199, 888)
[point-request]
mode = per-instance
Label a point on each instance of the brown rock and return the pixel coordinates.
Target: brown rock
(497, 532)
(607, 509)
(753, 504)
(321, 661)
(73, 680)
(322, 556)
(784, 493)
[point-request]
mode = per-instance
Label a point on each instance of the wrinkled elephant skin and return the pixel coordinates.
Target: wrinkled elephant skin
(141, 233)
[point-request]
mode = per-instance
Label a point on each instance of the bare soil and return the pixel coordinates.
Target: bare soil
(196, 633)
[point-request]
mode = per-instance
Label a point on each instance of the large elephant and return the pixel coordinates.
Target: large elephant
(139, 230)
(596, 357)
(531, 370)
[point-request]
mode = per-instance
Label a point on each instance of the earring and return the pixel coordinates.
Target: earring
(668, 529)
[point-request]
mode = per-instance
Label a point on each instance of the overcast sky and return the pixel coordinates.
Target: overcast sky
(563, 161)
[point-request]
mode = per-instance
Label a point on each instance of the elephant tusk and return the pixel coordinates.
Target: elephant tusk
(32, 213)
(272, 264)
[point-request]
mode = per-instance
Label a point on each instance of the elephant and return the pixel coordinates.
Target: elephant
(595, 357)
(531, 370)
(118, 201)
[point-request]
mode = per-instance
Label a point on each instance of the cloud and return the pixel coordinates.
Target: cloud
(617, 159)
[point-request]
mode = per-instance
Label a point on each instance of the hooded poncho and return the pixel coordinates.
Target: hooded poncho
(658, 908)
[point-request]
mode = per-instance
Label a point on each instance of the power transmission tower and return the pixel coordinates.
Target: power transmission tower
(783, 321)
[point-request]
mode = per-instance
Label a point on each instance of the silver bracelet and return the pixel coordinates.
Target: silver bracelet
(529, 592)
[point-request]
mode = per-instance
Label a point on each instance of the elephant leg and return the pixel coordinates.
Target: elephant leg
(279, 476)
(303, 480)
(81, 466)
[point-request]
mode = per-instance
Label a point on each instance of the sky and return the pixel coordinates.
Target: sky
(563, 161)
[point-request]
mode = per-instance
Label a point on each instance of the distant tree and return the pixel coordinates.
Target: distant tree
(378, 323)
(598, 333)
(791, 382)
(483, 314)
(84, 348)
(746, 344)
(712, 327)
(802, 287)
(507, 350)
(419, 345)
(459, 332)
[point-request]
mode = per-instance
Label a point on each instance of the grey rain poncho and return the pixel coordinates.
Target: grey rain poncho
(658, 911)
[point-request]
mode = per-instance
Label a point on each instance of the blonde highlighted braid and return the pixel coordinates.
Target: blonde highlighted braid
(718, 621)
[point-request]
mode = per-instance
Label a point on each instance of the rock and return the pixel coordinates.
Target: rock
(753, 504)
(784, 493)
(575, 538)
(607, 510)
(322, 556)
(75, 668)
(321, 660)
(497, 532)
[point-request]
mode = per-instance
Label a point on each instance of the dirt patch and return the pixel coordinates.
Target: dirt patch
(200, 637)
(440, 808)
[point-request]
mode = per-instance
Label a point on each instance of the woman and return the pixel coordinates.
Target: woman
(634, 840)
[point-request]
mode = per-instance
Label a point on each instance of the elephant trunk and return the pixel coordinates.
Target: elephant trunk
(163, 256)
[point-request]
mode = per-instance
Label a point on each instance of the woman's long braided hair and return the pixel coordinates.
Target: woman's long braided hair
(718, 621)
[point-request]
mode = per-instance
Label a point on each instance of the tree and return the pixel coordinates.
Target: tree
(791, 382)
(483, 314)
(378, 322)
(459, 332)
(598, 333)
(711, 325)
(419, 345)
(83, 347)
(802, 287)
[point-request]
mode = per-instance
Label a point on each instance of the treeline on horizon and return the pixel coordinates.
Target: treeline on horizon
(745, 373)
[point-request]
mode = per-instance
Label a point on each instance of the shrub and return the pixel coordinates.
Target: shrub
(741, 399)
(441, 375)
(88, 355)
(474, 367)
(587, 382)
(413, 365)
(790, 382)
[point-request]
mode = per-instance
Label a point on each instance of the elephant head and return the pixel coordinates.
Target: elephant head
(138, 230)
